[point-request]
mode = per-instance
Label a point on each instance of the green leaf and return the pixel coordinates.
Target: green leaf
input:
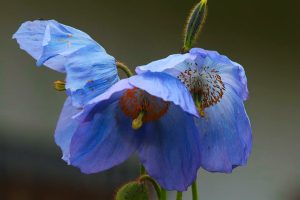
(132, 191)
(194, 24)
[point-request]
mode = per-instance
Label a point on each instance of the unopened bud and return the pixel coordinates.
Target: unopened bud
(194, 25)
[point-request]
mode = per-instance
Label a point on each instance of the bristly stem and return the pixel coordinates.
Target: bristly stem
(124, 68)
(163, 194)
(195, 190)
(179, 196)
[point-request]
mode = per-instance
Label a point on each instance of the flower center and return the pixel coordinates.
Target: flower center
(205, 85)
(142, 107)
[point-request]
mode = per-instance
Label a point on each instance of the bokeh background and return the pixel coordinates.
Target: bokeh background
(261, 35)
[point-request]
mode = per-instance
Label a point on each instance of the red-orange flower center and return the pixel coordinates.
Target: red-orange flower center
(135, 101)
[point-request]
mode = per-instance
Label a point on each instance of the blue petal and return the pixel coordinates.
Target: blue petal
(49, 42)
(89, 73)
(231, 72)
(103, 139)
(66, 127)
(170, 149)
(166, 87)
(90, 70)
(226, 136)
(112, 94)
(173, 64)
(30, 37)
(157, 84)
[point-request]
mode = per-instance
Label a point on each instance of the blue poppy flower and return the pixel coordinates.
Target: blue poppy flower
(219, 87)
(89, 69)
(151, 114)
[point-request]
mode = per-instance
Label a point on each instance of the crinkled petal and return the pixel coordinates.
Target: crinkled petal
(61, 40)
(226, 136)
(103, 139)
(166, 87)
(90, 70)
(170, 149)
(49, 42)
(66, 127)
(89, 73)
(30, 37)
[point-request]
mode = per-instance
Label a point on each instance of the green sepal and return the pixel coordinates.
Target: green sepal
(194, 25)
(133, 191)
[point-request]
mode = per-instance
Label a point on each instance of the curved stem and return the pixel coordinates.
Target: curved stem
(143, 170)
(195, 190)
(179, 195)
(124, 68)
(163, 194)
(153, 182)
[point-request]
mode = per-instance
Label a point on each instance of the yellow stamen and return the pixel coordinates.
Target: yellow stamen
(138, 122)
(60, 85)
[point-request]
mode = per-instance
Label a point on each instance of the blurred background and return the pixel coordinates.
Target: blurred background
(261, 35)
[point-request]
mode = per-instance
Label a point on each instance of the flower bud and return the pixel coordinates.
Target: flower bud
(133, 191)
(194, 24)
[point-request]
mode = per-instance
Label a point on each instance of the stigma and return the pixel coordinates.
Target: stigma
(142, 107)
(137, 123)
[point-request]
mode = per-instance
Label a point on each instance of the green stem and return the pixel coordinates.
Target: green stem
(163, 194)
(179, 196)
(195, 190)
(124, 68)
(143, 170)
(153, 182)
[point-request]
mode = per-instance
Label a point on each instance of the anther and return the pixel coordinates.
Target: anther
(60, 85)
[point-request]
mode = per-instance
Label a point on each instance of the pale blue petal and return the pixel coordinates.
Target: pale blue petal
(170, 149)
(157, 84)
(49, 42)
(112, 94)
(61, 40)
(103, 139)
(66, 127)
(166, 87)
(89, 73)
(231, 72)
(173, 64)
(30, 36)
(226, 136)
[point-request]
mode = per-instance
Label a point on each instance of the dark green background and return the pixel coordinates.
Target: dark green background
(261, 35)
